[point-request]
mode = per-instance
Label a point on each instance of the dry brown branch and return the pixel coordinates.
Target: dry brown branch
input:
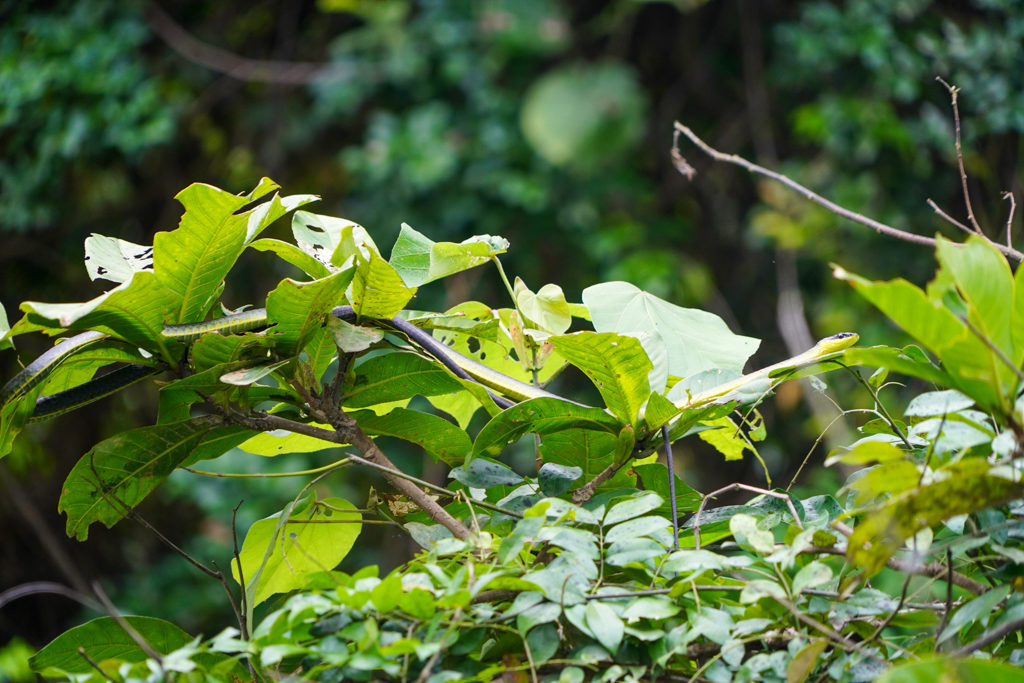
(810, 195)
(949, 219)
(953, 91)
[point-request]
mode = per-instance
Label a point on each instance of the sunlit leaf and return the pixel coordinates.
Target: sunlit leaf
(110, 258)
(617, 365)
(278, 556)
(106, 643)
(542, 416)
(420, 260)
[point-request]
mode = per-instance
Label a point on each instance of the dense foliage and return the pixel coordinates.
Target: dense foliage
(571, 571)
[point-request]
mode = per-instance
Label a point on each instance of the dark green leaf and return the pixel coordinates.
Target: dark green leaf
(106, 643)
(436, 435)
(542, 416)
(121, 471)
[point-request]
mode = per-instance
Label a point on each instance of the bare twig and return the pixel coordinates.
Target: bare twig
(235, 66)
(953, 91)
(47, 587)
(741, 487)
(810, 195)
(1009, 218)
(125, 626)
(949, 219)
(92, 662)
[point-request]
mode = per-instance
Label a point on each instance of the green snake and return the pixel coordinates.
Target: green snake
(504, 390)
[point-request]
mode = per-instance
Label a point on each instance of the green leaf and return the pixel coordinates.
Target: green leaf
(293, 255)
(650, 607)
(420, 260)
(387, 594)
(248, 376)
(811, 575)
(745, 529)
(633, 506)
(547, 309)
(377, 289)
(691, 340)
(724, 437)
(655, 478)
(985, 282)
(967, 489)
(590, 450)
(119, 472)
(980, 608)
(134, 311)
(581, 114)
(106, 643)
(805, 661)
(937, 403)
(436, 435)
(970, 364)
(556, 479)
(279, 556)
(617, 365)
(866, 452)
(192, 261)
(952, 669)
(542, 416)
(296, 309)
(352, 338)
(395, 376)
(117, 260)
(605, 625)
(5, 327)
(483, 474)
(331, 240)
(280, 441)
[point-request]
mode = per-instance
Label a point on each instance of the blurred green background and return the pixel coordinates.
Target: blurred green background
(546, 121)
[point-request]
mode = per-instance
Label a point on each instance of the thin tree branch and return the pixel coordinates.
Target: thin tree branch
(949, 219)
(1009, 218)
(953, 91)
(232, 65)
(818, 199)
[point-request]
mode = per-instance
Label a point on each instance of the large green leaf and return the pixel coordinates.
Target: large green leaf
(480, 345)
(971, 365)
(106, 643)
(396, 376)
(119, 472)
(984, 280)
(278, 556)
(436, 435)
(541, 416)
(134, 311)
(298, 308)
(617, 365)
(420, 260)
(967, 488)
(214, 349)
(377, 289)
(192, 261)
(691, 340)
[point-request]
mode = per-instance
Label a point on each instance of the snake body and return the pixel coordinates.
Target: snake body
(504, 390)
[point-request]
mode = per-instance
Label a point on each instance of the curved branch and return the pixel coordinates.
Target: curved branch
(810, 195)
(235, 66)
